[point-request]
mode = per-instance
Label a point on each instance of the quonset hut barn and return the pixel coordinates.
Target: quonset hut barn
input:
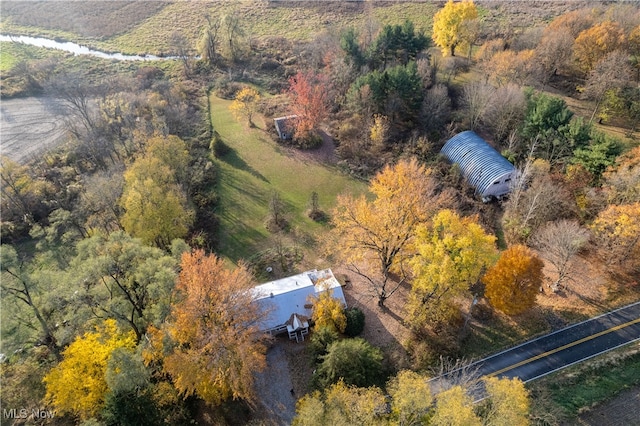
(481, 165)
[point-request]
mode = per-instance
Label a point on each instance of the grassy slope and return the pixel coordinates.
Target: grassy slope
(296, 21)
(255, 168)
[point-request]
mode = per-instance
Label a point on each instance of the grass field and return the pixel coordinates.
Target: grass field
(146, 26)
(255, 168)
(577, 388)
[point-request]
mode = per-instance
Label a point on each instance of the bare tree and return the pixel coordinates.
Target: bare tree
(183, 50)
(506, 111)
(436, 108)
(454, 372)
(276, 219)
(554, 53)
(535, 199)
(99, 199)
(613, 71)
(233, 33)
(558, 242)
(208, 44)
(476, 97)
(77, 94)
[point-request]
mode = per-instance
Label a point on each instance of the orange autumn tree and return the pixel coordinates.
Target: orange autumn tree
(212, 346)
(309, 101)
(514, 281)
(595, 43)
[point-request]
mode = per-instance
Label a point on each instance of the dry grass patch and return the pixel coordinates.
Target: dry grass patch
(92, 19)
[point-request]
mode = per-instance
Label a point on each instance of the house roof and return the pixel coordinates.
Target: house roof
(284, 125)
(479, 163)
(287, 296)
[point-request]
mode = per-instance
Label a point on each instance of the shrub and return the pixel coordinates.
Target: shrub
(226, 89)
(321, 338)
(356, 361)
(355, 322)
(311, 141)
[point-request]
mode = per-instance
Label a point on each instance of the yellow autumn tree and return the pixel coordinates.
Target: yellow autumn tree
(452, 253)
(454, 407)
(372, 235)
(328, 311)
(155, 208)
(622, 182)
(171, 151)
(449, 23)
(595, 43)
(78, 384)
(212, 346)
(513, 283)
(409, 402)
(379, 132)
(508, 402)
(340, 404)
(616, 231)
(245, 104)
(411, 399)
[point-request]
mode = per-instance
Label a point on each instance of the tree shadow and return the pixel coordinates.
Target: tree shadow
(234, 160)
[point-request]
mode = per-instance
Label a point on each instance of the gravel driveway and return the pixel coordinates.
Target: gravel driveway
(274, 387)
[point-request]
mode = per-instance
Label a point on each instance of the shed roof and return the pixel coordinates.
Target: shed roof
(284, 126)
(479, 163)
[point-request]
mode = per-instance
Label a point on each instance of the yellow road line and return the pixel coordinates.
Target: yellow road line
(568, 345)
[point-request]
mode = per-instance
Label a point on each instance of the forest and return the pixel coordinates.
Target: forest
(130, 248)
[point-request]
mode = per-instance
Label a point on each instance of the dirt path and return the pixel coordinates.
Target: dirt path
(29, 126)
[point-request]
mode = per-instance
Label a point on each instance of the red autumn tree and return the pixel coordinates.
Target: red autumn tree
(308, 93)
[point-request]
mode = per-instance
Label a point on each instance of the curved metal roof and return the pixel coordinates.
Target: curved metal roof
(480, 164)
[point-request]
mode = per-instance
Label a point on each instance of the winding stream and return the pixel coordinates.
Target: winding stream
(78, 49)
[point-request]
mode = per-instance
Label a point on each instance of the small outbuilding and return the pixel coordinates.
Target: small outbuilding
(481, 165)
(285, 126)
(288, 303)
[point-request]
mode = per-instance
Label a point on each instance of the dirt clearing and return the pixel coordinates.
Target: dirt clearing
(30, 126)
(623, 410)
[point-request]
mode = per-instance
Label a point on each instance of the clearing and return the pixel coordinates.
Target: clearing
(29, 126)
(256, 167)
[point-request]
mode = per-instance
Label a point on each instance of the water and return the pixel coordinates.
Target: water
(78, 49)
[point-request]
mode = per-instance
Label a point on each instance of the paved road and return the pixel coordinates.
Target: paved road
(565, 347)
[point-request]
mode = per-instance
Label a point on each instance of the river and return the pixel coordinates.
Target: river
(78, 49)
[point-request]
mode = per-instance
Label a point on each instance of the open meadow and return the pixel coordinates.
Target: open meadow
(252, 171)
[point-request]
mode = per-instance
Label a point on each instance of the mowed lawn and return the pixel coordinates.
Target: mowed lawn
(256, 168)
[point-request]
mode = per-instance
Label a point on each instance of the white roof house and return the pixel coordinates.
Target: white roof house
(291, 295)
(480, 164)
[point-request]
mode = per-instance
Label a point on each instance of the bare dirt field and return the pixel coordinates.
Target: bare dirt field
(623, 410)
(29, 126)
